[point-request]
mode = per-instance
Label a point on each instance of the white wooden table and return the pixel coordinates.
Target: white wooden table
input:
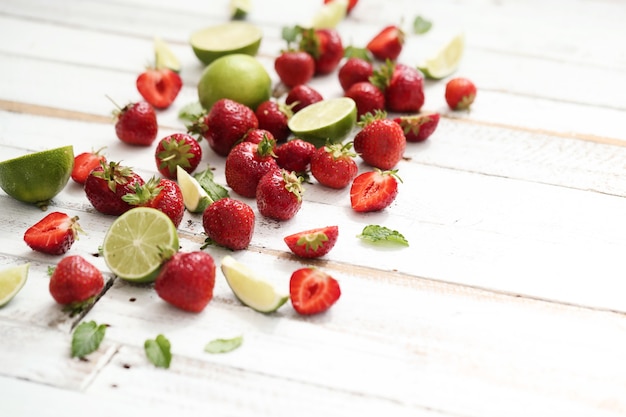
(509, 301)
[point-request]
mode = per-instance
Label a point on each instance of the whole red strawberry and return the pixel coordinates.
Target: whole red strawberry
(403, 87)
(373, 190)
(84, 163)
(312, 291)
(354, 70)
(274, 116)
(387, 44)
(419, 127)
(136, 124)
(279, 194)
(380, 142)
(295, 155)
(246, 163)
(178, 149)
(460, 93)
(367, 96)
(313, 243)
(351, 4)
(74, 281)
(106, 185)
(159, 87)
(186, 280)
(162, 194)
(257, 135)
(294, 67)
(229, 223)
(301, 96)
(334, 166)
(326, 47)
(54, 234)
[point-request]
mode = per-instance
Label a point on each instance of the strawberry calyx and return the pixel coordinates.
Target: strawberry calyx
(309, 42)
(340, 150)
(113, 173)
(77, 307)
(175, 152)
(381, 77)
(145, 193)
(391, 173)
(293, 183)
(369, 118)
(266, 147)
(199, 127)
(312, 241)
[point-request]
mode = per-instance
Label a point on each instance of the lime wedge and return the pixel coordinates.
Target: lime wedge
(136, 241)
(12, 280)
(195, 198)
(239, 9)
(446, 61)
(331, 119)
(164, 57)
(329, 15)
(251, 289)
(227, 38)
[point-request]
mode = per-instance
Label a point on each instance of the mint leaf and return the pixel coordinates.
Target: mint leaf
(214, 190)
(379, 234)
(223, 345)
(158, 351)
(191, 112)
(87, 338)
(421, 25)
(354, 52)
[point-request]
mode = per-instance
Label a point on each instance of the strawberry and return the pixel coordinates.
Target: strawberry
(75, 282)
(294, 67)
(353, 71)
(162, 194)
(419, 127)
(136, 124)
(313, 243)
(351, 4)
(279, 194)
(403, 87)
(106, 185)
(159, 87)
(312, 291)
(84, 163)
(460, 93)
(380, 142)
(257, 135)
(373, 190)
(333, 165)
(325, 46)
(178, 149)
(229, 223)
(295, 155)
(274, 116)
(367, 96)
(54, 234)
(246, 163)
(301, 96)
(387, 44)
(186, 280)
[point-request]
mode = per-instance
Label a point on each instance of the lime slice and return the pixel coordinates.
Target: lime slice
(195, 198)
(227, 38)
(164, 57)
(37, 177)
(332, 119)
(330, 15)
(251, 289)
(239, 9)
(12, 280)
(136, 241)
(446, 61)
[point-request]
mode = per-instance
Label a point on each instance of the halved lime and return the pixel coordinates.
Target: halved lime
(136, 242)
(239, 9)
(12, 280)
(227, 38)
(251, 289)
(329, 15)
(445, 61)
(37, 177)
(331, 119)
(195, 198)
(164, 57)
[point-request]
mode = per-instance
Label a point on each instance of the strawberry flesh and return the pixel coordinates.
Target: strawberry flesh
(159, 87)
(54, 234)
(373, 191)
(313, 291)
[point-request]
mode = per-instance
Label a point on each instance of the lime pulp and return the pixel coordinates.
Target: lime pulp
(235, 37)
(327, 120)
(12, 280)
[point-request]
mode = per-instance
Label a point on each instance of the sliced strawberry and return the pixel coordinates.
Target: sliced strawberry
(84, 163)
(419, 127)
(159, 87)
(54, 234)
(313, 243)
(387, 44)
(374, 190)
(313, 291)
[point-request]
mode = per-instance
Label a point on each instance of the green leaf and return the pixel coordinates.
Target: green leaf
(158, 351)
(380, 234)
(191, 112)
(223, 345)
(291, 33)
(354, 52)
(87, 338)
(214, 190)
(421, 25)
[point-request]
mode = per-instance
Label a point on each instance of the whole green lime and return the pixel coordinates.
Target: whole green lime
(238, 77)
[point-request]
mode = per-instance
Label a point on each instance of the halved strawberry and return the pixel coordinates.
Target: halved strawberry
(312, 291)
(313, 243)
(387, 44)
(54, 234)
(418, 127)
(84, 163)
(159, 87)
(374, 190)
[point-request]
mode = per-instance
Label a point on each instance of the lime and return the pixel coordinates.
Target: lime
(37, 177)
(136, 243)
(251, 289)
(445, 61)
(224, 39)
(330, 14)
(331, 119)
(164, 57)
(238, 77)
(195, 198)
(12, 280)
(239, 9)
